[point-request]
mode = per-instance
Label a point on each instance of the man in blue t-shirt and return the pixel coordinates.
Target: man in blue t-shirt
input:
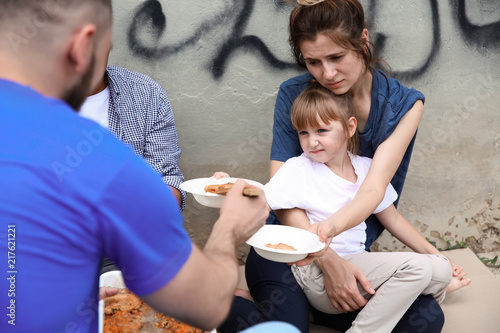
(71, 193)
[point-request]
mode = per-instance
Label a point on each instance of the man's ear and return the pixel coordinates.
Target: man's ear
(81, 48)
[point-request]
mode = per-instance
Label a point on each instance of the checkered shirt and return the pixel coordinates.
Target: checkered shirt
(141, 116)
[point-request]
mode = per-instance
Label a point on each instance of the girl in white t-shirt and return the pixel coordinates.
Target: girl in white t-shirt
(309, 188)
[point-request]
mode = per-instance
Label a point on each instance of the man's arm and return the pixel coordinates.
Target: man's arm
(148, 125)
(177, 194)
(202, 292)
(161, 148)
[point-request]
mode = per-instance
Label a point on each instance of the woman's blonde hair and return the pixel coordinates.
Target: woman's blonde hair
(316, 102)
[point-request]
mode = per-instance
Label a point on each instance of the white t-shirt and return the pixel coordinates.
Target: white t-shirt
(96, 108)
(306, 184)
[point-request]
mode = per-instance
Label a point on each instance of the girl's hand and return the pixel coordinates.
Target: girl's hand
(325, 230)
(313, 256)
(220, 174)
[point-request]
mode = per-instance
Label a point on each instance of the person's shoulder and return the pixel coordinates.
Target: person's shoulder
(393, 90)
(386, 83)
(301, 162)
(121, 76)
(297, 82)
(99, 136)
(360, 161)
(294, 168)
(290, 89)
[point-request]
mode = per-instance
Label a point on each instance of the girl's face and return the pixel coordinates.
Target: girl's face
(333, 66)
(326, 143)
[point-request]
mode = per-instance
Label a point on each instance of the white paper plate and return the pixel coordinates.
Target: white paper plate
(304, 241)
(197, 188)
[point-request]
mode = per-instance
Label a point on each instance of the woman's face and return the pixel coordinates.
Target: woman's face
(333, 66)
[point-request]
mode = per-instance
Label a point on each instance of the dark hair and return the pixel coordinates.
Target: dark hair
(48, 9)
(341, 20)
(317, 101)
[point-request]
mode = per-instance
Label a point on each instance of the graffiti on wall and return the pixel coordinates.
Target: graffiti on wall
(235, 16)
(151, 13)
(482, 37)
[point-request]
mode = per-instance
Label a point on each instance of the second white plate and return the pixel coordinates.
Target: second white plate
(197, 188)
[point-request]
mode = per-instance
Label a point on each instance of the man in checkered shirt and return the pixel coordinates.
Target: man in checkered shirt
(137, 110)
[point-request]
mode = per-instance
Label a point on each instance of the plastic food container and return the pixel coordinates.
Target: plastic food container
(113, 279)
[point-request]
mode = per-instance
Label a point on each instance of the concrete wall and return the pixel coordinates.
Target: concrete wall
(221, 63)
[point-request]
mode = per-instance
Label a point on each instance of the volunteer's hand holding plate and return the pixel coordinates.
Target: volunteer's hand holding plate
(302, 241)
(197, 188)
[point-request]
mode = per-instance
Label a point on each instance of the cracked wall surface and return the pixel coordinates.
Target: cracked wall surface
(221, 63)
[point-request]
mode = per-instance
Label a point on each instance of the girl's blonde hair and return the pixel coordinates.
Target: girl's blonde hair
(316, 102)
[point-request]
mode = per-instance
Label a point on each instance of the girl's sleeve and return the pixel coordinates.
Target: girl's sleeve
(389, 198)
(282, 191)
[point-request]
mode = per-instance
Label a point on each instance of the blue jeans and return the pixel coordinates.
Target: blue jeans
(272, 326)
(278, 297)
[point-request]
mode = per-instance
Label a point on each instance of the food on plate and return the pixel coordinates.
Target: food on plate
(281, 246)
(122, 322)
(124, 301)
(173, 325)
(219, 188)
(125, 312)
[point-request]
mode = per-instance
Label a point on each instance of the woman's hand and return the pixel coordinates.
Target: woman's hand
(340, 278)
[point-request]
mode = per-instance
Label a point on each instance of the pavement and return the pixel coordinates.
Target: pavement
(470, 309)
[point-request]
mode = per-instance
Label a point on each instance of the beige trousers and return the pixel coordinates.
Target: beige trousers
(397, 277)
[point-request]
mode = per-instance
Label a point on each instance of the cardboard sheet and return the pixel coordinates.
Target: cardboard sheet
(471, 309)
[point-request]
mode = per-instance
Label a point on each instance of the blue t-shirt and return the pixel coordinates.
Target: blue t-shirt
(71, 194)
(390, 102)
